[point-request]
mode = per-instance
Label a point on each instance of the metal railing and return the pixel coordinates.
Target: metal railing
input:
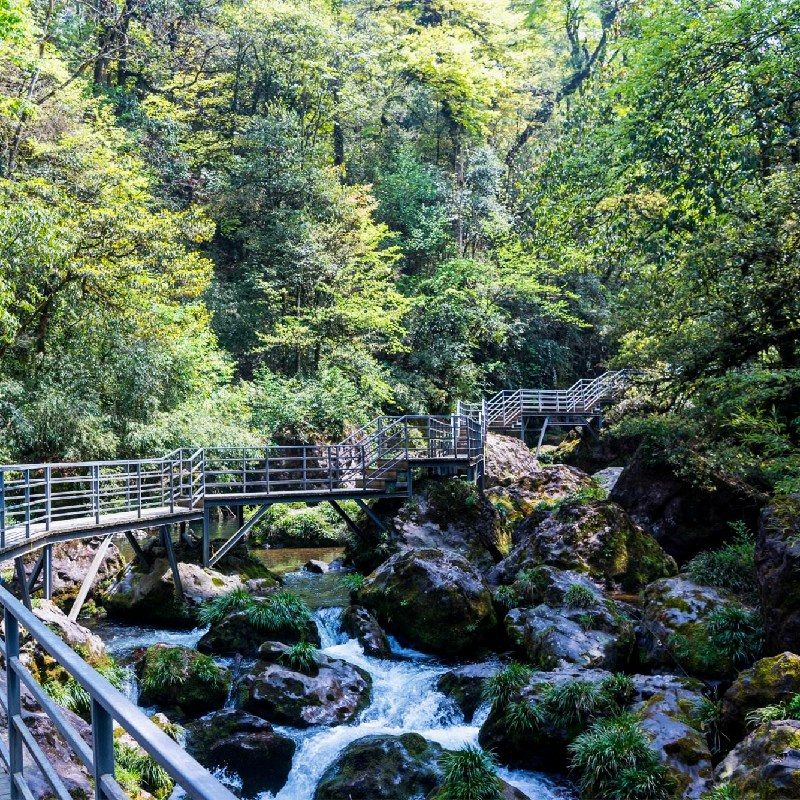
(108, 706)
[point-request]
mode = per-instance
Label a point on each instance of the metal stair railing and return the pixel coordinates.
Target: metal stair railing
(108, 707)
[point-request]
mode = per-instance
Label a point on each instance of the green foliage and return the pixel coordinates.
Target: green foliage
(452, 500)
(730, 567)
(579, 596)
(736, 634)
(286, 523)
(469, 774)
(506, 597)
(165, 667)
(499, 688)
(788, 709)
(281, 611)
(614, 759)
(301, 657)
(353, 582)
(530, 583)
(135, 770)
(708, 713)
(723, 791)
(220, 607)
(572, 703)
(66, 691)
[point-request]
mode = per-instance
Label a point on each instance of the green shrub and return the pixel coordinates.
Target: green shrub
(452, 500)
(301, 657)
(615, 761)
(63, 689)
(724, 791)
(618, 689)
(736, 634)
(353, 582)
(506, 597)
(572, 704)
(220, 607)
(578, 596)
(503, 685)
(708, 712)
(530, 583)
(788, 709)
(135, 770)
(165, 667)
(523, 717)
(730, 567)
(469, 774)
(282, 611)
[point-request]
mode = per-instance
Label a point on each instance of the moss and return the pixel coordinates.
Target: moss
(688, 750)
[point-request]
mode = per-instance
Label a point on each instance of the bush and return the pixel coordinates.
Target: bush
(614, 760)
(62, 688)
(530, 583)
(572, 704)
(353, 582)
(301, 657)
(296, 522)
(452, 500)
(730, 567)
(220, 607)
(500, 687)
(281, 611)
(469, 774)
(578, 596)
(135, 770)
(506, 597)
(736, 634)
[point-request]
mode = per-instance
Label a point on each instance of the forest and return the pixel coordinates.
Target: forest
(239, 221)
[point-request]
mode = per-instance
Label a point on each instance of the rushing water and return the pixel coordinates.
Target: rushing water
(404, 700)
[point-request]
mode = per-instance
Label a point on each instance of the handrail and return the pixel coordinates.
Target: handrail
(108, 706)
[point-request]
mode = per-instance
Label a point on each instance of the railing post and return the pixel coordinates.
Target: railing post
(330, 470)
(363, 466)
(48, 496)
(163, 492)
(172, 486)
(96, 491)
(13, 701)
(138, 489)
(103, 746)
(2, 509)
(244, 471)
(27, 504)
(305, 467)
(405, 437)
(266, 469)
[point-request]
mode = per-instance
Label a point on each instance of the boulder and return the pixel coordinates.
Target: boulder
(432, 600)
(673, 634)
(383, 768)
(243, 745)
(150, 597)
(683, 517)
(768, 682)
(334, 695)
(316, 567)
(464, 686)
(665, 705)
(506, 460)
(766, 765)
(598, 637)
(777, 557)
(594, 538)
(235, 634)
(80, 639)
(359, 624)
(174, 676)
(543, 749)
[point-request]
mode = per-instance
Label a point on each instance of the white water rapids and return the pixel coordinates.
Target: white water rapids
(404, 700)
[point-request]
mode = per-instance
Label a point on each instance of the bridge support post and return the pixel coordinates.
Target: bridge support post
(542, 432)
(142, 558)
(166, 540)
(22, 580)
(47, 573)
(371, 514)
(89, 579)
(206, 536)
(346, 517)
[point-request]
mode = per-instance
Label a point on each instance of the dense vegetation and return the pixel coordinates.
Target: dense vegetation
(267, 219)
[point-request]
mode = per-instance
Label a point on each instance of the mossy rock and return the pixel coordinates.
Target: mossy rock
(183, 678)
(433, 600)
(769, 681)
(383, 768)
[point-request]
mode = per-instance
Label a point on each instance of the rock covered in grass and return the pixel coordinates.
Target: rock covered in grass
(241, 623)
(666, 706)
(766, 764)
(150, 596)
(358, 623)
(243, 745)
(433, 600)
(768, 682)
(699, 629)
(596, 538)
(383, 768)
(174, 676)
(333, 695)
(777, 557)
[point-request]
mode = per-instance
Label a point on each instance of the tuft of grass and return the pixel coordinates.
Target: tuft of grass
(788, 709)
(506, 597)
(353, 582)
(735, 633)
(206, 671)
(614, 760)
(135, 770)
(578, 596)
(530, 583)
(165, 667)
(618, 690)
(503, 685)
(67, 692)
(220, 607)
(301, 657)
(731, 567)
(281, 611)
(708, 713)
(572, 704)
(522, 717)
(469, 774)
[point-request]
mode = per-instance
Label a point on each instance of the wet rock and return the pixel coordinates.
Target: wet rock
(595, 538)
(91, 647)
(766, 764)
(665, 705)
(358, 623)
(777, 559)
(334, 695)
(236, 634)
(683, 518)
(598, 637)
(545, 748)
(316, 567)
(181, 677)
(675, 613)
(464, 686)
(243, 745)
(383, 768)
(768, 682)
(150, 597)
(433, 600)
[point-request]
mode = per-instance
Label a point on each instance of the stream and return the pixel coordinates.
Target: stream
(404, 695)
